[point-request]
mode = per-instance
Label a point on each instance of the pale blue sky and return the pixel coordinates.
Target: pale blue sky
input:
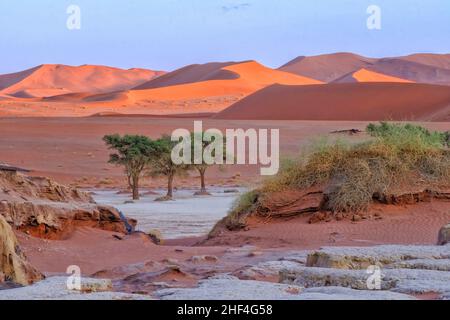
(167, 34)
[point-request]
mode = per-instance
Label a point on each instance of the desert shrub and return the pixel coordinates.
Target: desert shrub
(410, 134)
(241, 207)
(396, 158)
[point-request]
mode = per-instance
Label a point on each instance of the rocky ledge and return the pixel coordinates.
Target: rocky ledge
(46, 209)
(43, 208)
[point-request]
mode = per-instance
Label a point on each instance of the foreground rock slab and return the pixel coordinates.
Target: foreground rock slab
(55, 288)
(231, 288)
(362, 257)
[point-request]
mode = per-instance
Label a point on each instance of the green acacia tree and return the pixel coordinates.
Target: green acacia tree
(202, 167)
(134, 153)
(162, 165)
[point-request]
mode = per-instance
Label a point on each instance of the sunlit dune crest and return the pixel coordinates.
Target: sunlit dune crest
(365, 75)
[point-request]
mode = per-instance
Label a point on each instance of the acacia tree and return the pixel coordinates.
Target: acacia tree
(134, 153)
(162, 165)
(202, 167)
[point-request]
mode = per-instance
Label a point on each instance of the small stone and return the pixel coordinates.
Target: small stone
(171, 261)
(356, 218)
(255, 253)
(204, 259)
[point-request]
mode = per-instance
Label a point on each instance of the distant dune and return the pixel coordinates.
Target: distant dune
(327, 67)
(190, 74)
(52, 79)
(234, 80)
(413, 71)
(441, 61)
(364, 75)
(215, 79)
(346, 101)
(60, 90)
(421, 68)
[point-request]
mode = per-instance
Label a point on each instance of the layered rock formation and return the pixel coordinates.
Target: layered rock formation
(13, 264)
(45, 209)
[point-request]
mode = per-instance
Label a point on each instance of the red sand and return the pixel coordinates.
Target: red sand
(96, 250)
(345, 101)
(412, 224)
(71, 149)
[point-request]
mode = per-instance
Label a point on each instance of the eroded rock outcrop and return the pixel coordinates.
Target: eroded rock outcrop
(13, 263)
(46, 209)
(444, 235)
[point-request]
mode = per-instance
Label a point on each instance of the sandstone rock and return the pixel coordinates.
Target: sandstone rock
(264, 270)
(13, 264)
(361, 258)
(230, 288)
(444, 235)
(400, 280)
(323, 277)
(340, 293)
(55, 288)
(156, 236)
(43, 208)
(426, 264)
(204, 259)
(290, 203)
(88, 285)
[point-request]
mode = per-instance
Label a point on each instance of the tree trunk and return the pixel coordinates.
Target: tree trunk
(170, 186)
(202, 179)
(135, 187)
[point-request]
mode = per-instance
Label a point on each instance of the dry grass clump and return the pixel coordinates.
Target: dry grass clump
(396, 158)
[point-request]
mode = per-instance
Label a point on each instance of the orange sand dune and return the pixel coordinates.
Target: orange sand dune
(51, 80)
(412, 70)
(190, 74)
(421, 68)
(327, 67)
(344, 101)
(237, 79)
(364, 75)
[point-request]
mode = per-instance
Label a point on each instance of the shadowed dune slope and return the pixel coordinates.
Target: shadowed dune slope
(413, 71)
(344, 101)
(54, 79)
(327, 67)
(435, 60)
(190, 74)
(422, 67)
